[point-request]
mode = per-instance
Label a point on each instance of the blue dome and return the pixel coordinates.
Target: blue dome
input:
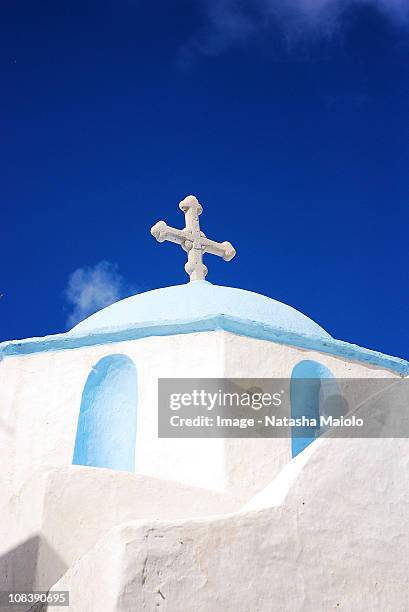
(197, 300)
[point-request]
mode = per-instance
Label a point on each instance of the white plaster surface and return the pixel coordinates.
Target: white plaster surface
(72, 507)
(338, 541)
(40, 396)
(327, 528)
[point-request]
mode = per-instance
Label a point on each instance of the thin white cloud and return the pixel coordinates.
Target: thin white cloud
(91, 288)
(229, 22)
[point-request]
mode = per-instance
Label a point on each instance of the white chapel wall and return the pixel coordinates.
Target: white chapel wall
(40, 398)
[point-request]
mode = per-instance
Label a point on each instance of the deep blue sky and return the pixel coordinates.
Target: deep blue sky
(295, 140)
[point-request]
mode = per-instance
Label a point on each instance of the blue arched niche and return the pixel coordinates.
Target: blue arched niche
(311, 385)
(106, 432)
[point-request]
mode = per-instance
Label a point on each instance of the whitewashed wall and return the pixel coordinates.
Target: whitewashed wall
(40, 397)
(337, 541)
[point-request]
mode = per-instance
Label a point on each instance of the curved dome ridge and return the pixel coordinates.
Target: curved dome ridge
(197, 300)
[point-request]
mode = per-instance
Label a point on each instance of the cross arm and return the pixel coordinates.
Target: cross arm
(161, 231)
(222, 249)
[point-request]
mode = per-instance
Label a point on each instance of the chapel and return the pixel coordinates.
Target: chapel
(97, 503)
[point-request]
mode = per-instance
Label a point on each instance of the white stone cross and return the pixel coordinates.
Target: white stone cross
(192, 239)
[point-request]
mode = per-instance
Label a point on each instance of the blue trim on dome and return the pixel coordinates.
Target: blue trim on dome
(242, 327)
